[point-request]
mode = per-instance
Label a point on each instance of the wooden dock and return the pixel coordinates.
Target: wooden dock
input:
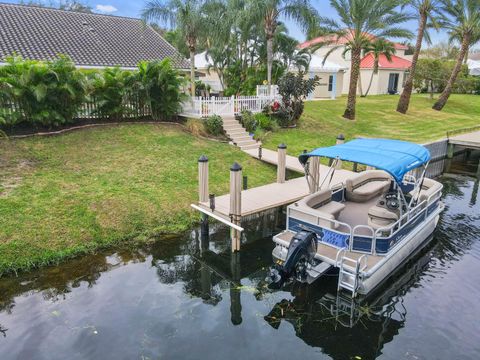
(470, 140)
(271, 157)
(270, 196)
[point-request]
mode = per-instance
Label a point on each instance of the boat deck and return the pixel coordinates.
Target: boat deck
(329, 253)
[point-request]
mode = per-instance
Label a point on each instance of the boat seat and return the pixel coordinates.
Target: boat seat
(366, 185)
(379, 217)
(321, 203)
(429, 187)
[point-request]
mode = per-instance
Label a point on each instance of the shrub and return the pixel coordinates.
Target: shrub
(44, 93)
(293, 88)
(214, 125)
(109, 89)
(265, 122)
(161, 84)
(248, 121)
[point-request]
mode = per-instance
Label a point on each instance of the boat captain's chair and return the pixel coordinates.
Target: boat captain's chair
(321, 204)
(366, 185)
(380, 217)
(429, 187)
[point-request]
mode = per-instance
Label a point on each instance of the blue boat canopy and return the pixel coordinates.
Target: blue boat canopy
(393, 156)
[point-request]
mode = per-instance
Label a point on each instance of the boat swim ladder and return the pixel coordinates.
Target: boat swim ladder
(349, 273)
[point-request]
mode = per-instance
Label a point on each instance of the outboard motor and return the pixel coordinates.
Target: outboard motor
(301, 253)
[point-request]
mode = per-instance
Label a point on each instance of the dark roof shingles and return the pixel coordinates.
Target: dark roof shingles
(89, 39)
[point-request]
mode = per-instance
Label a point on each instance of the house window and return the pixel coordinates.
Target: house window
(330, 83)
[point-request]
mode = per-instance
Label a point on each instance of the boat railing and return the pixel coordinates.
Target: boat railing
(368, 228)
(412, 214)
(351, 233)
(319, 219)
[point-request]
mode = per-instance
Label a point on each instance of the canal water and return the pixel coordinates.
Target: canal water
(184, 298)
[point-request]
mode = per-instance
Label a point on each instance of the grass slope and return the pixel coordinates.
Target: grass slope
(65, 195)
(376, 117)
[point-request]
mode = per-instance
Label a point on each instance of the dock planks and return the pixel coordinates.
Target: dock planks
(471, 140)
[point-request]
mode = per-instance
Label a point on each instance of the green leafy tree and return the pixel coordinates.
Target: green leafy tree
(160, 84)
(378, 47)
(359, 21)
(42, 93)
(428, 15)
(269, 12)
(109, 90)
(462, 21)
(187, 16)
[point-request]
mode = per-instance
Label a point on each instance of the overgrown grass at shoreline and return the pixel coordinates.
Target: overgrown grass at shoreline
(71, 194)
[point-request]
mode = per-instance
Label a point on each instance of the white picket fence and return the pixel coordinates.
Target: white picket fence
(200, 107)
(267, 90)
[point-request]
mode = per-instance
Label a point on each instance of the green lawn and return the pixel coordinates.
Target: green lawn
(69, 194)
(66, 195)
(376, 117)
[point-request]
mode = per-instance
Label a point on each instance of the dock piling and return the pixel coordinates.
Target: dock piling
(314, 174)
(282, 162)
(203, 179)
(236, 203)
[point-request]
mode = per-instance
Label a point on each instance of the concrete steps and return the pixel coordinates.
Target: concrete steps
(239, 136)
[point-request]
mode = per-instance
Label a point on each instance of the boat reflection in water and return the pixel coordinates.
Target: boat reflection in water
(325, 318)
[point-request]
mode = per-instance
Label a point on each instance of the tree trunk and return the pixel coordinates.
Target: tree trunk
(442, 100)
(360, 90)
(269, 59)
(431, 89)
(375, 71)
(404, 101)
(192, 71)
(352, 91)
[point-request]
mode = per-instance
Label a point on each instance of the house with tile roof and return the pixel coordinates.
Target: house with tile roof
(90, 40)
(330, 74)
(391, 75)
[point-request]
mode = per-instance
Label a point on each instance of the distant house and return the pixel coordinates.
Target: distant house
(473, 67)
(390, 78)
(90, 40)
(330, 74)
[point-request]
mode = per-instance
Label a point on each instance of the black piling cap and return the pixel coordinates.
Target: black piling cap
(341, 137)
(203, 158)
(282, 146)
(236, 167)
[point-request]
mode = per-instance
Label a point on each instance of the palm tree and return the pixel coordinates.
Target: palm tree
(269, 12)
(462, 20)
(361, 21)
(187, 16)
(428, 17)
(378, 47)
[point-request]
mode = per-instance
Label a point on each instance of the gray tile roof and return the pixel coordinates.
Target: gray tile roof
(89, 39)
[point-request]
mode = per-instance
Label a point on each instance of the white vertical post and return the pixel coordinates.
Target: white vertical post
(333, 94)
(232, 104)
(281, 166)
(340, 140)
(203, 179)
(314, 173)
(236, 203)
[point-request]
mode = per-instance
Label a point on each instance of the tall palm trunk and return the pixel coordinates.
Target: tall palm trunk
(404, 101)
(442, 100)
(352, 91)
(192, 70)
(269, 58)
(375, 71)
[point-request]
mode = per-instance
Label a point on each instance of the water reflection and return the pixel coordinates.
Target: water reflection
(151, 302)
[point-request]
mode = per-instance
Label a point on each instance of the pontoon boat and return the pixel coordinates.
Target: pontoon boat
(366, 226)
